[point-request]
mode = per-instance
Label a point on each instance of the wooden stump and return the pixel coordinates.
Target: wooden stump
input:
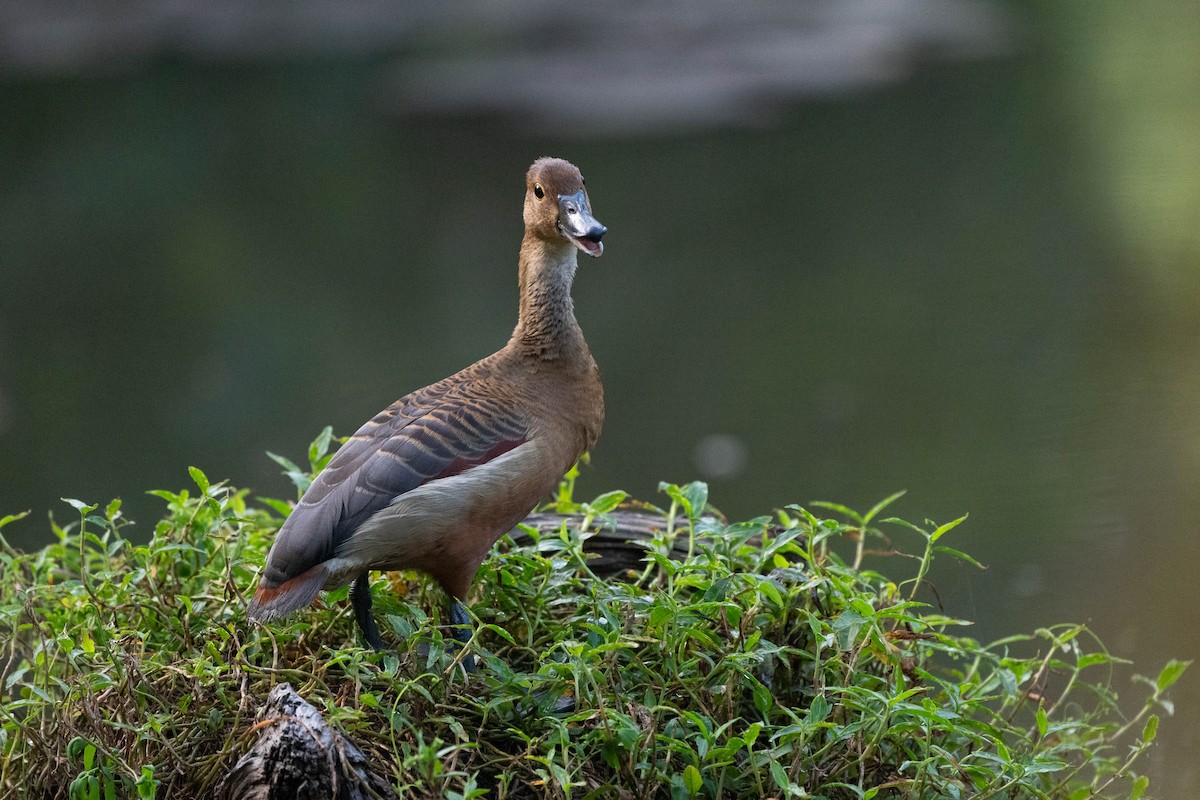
(618, 539)
(298, 755)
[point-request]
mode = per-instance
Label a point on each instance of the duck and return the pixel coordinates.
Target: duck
(435, 479)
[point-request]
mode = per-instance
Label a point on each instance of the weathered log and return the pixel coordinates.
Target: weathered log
(298, 755)
(618, 539)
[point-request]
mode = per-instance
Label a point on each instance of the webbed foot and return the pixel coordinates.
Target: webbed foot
(360, 598)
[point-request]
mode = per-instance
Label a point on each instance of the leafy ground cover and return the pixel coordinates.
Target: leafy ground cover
(767, 662)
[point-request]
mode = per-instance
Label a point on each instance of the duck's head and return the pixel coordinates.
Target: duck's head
(557, 206)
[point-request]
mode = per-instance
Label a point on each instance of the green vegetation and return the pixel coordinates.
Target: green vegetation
(764, 664)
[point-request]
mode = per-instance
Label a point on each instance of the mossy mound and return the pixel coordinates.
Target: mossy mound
(744, 659)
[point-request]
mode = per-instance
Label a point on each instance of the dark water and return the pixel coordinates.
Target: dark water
(917, 287)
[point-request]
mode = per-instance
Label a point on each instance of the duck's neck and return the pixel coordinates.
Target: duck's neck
(546, 326)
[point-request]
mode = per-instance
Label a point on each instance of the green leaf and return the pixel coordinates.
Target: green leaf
(1151, 729)
(15, 676)
(768, 588)
(881, 505)
(960, 555)
(200, 478)
(76, 746)
(692, 497)
(942, 530)
(1042, 722)
(1091, 659)
(278, 506)
(659, 614)
(297, 476)
(608, 501)
(846, 626)
(863, 607)
(906, 524)
(838, 508)
(284, 462)
(779, 775)
(763, 700)
(819, 709)
(1171, 673)
(391, 663)
(79, 505)
(692, 779)
(664, 563)
(317, 450)
(501, 632)
(1139, 787)
(12, 518)
(697, 497)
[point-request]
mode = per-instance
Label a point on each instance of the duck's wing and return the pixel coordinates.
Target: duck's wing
(434, 433)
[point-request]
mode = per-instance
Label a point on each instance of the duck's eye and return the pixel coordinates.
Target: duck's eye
(537, 191)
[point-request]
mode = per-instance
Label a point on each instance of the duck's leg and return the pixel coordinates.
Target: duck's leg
(360, 597)
(462, 630)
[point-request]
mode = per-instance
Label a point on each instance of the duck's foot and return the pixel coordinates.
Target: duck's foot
(467, 662)
(462, 632)
(464, 629)
(360, 598)
(565, 704)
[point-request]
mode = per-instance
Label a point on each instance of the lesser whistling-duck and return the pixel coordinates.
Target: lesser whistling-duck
(432, 481)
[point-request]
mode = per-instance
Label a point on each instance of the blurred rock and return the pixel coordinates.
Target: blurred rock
(595, 68)
(720, 455)
(619, 68)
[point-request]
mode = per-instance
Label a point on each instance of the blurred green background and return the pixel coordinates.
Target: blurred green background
(945, 247)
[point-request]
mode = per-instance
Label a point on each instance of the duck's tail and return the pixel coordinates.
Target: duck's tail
(273, 601)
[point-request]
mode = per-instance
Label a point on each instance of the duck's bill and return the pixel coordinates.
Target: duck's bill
(593, 249)
(577, 223)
